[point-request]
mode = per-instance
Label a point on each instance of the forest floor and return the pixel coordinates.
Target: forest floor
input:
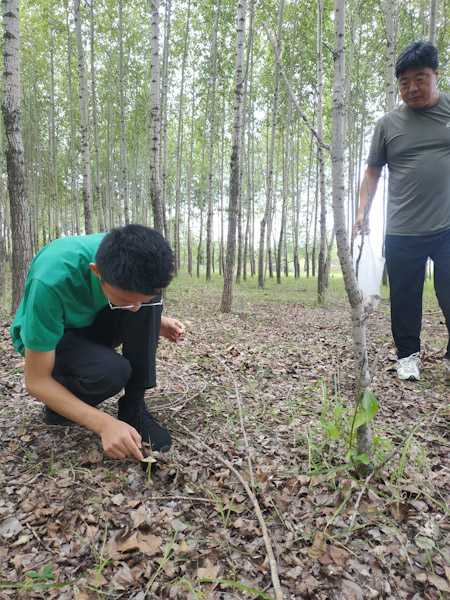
(271, 382)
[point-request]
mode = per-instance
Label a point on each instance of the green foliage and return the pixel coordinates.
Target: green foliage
(45, 575)
(49, 25)
(339, 422)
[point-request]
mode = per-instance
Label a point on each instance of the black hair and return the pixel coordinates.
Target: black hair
(421, 53)
(135, 258)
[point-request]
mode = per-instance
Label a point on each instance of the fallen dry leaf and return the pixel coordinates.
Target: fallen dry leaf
(399, 510)
(147, 544)
(208, 572)
(277, 369)
(439, 582)
(319, 545)
(339, 555)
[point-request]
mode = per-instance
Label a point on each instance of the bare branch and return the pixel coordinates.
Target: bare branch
(291, 93)
(256, 506)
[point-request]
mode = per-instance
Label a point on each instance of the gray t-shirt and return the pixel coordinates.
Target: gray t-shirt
(415, 144)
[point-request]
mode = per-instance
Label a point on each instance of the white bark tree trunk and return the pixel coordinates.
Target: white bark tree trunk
(84, 112)
(2, 224)
(54, 165)
(123, 139)
(390, 58)
(235, 166)
(15, 155)
(433, 19)
(179, 150)
(155, 146)
(321, 160)
(269, 180)
(362, 375)
(212, 129)
(75, 229)
(164, 94)
(98, 194)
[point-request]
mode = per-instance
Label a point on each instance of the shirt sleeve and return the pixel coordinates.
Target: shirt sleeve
(378, 153)
(42, 324)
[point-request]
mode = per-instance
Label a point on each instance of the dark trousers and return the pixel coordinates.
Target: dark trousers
(89, 367)
(406, 258)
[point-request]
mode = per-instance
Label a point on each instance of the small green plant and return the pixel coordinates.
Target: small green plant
(45, 575)
(339, 425)
(31, 456)
(232, 428)
(397, 474)
(52, 463)
(225, 514)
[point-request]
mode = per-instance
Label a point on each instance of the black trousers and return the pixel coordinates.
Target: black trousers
(87, 364)
(406, 258)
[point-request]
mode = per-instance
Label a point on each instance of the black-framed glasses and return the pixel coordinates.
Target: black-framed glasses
(139, 304)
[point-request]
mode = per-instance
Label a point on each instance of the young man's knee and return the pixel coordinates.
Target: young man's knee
(116, 376)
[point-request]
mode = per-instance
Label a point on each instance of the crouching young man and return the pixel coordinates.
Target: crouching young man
(85, 296)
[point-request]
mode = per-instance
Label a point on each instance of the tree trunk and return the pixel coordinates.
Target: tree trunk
(84, 111)
(269, 182)
(202, 199)
(309, 212)
(2, 223)
(321, 160)
(248, 238)
(54, 165)
(227, 294)
(433, 16)
(390, 58)
(189, 185)
(15, 155)
(179, 149)
(285, 192)
(362, 375)
(73, 166)
(222, 166)
(164, 93)
(212, 118)
(123, 140)
(98, 195)
(390, 90)
(109, 200)
(155, 148)
(328, 258)
(240, 243)
(316, 217)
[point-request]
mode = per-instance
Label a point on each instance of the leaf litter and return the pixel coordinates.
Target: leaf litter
(251, 392)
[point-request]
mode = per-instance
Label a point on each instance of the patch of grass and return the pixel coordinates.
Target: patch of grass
(302, 291)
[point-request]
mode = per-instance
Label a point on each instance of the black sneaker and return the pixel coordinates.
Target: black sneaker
(53, 418)
(145, 423)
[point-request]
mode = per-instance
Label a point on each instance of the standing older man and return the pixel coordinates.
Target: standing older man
(414, 141)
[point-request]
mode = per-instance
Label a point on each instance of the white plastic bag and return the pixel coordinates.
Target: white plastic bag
(369, 268)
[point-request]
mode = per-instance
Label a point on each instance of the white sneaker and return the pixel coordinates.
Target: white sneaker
(408, 368)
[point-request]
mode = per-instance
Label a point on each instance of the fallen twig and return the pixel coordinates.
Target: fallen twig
(259, 515)
(244, 433)
(357, 503)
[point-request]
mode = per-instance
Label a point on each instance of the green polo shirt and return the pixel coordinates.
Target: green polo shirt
(61, 292)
